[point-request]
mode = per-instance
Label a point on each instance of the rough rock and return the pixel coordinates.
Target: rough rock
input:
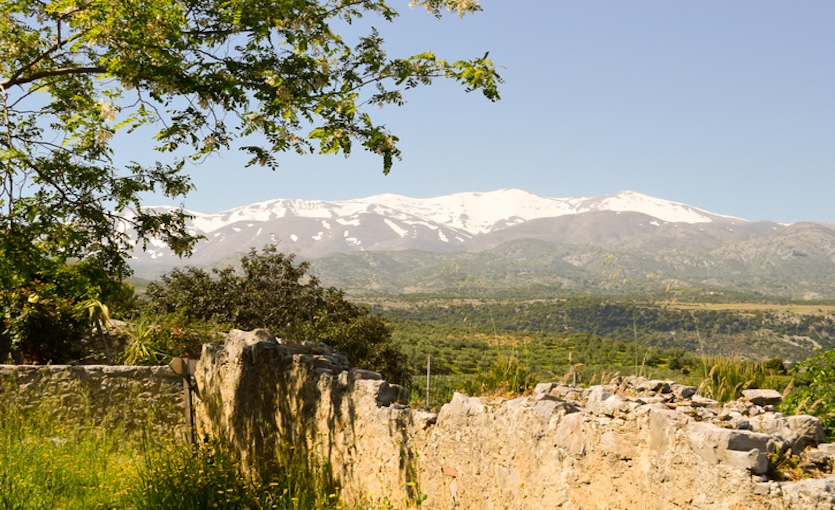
(763, 397)
(739, 448)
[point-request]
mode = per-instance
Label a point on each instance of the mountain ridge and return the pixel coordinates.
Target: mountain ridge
(456, 210)
(648, 241)
(451, 219)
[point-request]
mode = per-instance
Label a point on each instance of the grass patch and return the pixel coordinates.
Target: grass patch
(726, 378)
(46, 464)
(48, 461)
(209, 475)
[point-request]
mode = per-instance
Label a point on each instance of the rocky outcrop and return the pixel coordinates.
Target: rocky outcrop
(634, 443)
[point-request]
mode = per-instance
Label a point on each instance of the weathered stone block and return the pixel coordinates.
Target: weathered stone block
(739, 448)
(358, 374)
(662, 426)
(653, 386)
(543, 388)
(681, 391)
(598, 395)
(763, 397)
(806, 431)
(570, 434)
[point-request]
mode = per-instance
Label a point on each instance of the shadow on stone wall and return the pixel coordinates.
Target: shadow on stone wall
(259, 395)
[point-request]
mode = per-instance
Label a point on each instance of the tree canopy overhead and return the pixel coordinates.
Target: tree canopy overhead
(275, 74)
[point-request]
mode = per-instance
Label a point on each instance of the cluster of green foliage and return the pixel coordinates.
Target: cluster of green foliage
(271, 291)
(151, 339)
(46, 308)
(458, 350)
(197, 77)
(814, 390)
(476, 360)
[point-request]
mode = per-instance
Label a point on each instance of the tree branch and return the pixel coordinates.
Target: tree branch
(52, 72)
(59, 43)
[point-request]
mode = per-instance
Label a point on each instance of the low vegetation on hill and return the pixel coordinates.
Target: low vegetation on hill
(750, 331)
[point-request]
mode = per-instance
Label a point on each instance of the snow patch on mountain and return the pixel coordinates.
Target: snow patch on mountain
(629, 201)
(392, 225)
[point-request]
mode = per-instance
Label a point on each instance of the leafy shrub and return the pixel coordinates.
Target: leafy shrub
(270, 291)
(154, 340)
(39, 325)
(39, 317)
(776, 366)
(814, 390)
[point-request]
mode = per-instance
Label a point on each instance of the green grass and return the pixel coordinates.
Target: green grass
(725, 378)
(47, 464)
(48, 461)
(209, 476)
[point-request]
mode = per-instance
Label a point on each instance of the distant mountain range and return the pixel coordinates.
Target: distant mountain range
(511, 239)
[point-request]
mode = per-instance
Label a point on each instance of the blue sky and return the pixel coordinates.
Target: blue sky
(727, 106)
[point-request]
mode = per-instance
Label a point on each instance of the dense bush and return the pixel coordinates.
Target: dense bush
(41, 315)
(814, 390)
(270, 291)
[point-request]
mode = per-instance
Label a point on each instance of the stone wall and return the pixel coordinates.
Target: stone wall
(149, 398)
(630, 444)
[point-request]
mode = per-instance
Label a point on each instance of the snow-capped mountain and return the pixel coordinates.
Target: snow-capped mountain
(473, 213)
(515, 239)
(458, 222)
